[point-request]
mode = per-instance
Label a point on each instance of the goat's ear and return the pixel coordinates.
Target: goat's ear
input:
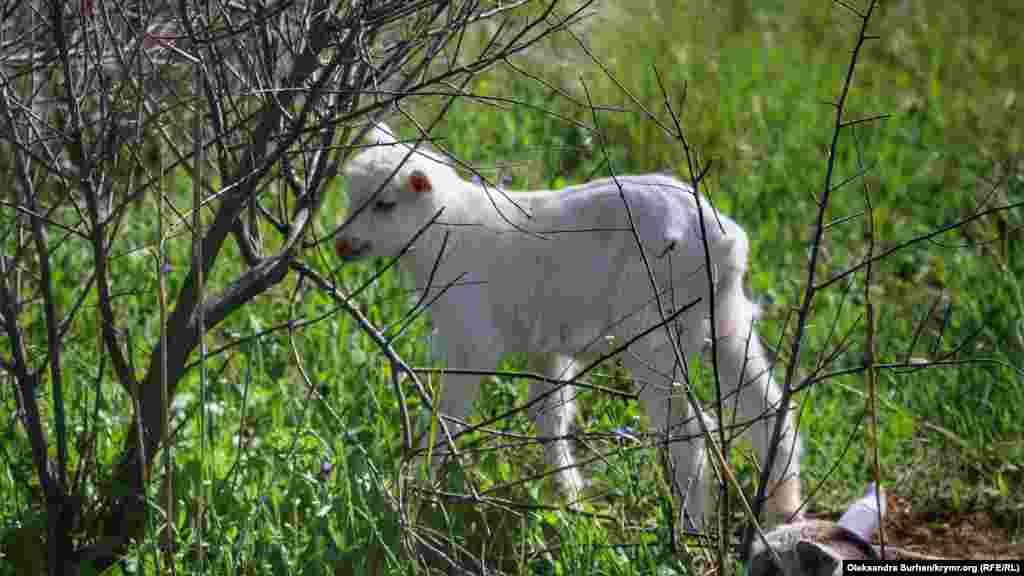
(382, 134)
(420, 183)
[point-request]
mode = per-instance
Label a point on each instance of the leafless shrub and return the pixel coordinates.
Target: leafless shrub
(100, 102)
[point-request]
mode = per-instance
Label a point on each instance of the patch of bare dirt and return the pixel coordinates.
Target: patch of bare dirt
(960, 535)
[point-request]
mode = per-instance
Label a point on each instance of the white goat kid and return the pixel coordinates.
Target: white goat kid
(556, 274)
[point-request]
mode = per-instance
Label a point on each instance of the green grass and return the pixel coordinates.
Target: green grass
(312, 490)
(757, 96)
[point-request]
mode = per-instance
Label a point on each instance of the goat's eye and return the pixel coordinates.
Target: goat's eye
(382, 206)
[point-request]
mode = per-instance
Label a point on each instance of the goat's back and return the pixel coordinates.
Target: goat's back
(582, 278)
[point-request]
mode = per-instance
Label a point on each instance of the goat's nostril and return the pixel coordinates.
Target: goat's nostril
(344, 247)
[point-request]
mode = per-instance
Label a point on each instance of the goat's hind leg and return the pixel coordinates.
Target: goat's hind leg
(743, 363)
(554, 416)
(670, 414)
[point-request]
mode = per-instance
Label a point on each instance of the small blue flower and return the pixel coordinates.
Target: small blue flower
(626, 433)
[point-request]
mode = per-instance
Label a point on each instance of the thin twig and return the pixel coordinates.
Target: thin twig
(810, 289)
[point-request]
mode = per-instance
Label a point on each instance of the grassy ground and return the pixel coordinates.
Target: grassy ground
(757, 82)
(297, 478)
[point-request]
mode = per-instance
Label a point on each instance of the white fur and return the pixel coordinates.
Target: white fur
(558, 273)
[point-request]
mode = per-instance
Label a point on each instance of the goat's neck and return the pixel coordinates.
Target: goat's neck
(487, 206)
(478, 219)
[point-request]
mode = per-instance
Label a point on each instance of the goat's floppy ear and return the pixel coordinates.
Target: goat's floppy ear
(419, 182)
(382, 134)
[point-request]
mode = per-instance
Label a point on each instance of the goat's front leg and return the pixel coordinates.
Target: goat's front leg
(458, 392)
(468, 340)
(671, 416)
(457, 395)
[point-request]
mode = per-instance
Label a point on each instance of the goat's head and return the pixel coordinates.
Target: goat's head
(391, 196)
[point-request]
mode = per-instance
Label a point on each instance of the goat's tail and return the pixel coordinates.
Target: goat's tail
(734, 312)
